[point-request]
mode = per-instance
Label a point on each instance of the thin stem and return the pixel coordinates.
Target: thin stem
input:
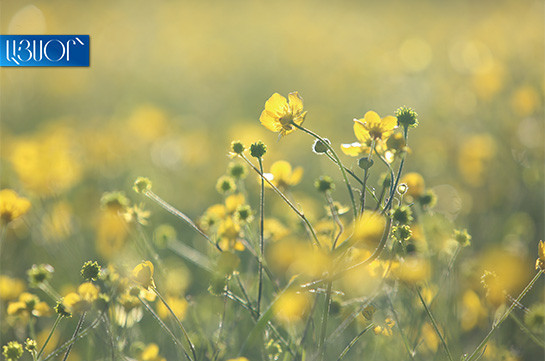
(335, 216)
(243, 290)
(179, 214)
(288, 202)
(504, 316)
(261, 227)
(78, 326)
(70, 342)
(393, 189)
(49, 336)
(186, 335)
(325, 316)
(353, 342)
(339, 163)
(526, 330)
(403, 336)
(369, 190)
(164, 326)
(434, 324)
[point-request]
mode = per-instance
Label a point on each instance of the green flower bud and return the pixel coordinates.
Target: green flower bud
(406, 117)
(225, 185)
(402, 232)
(365, 163)
(324, 184)
(62, 310)
(428, 199)
(237, 170)
(320, 147)
(31, 345)
(258, 149)
(90, 270)
(142, 185)
(163, 235)
(402, 215)
(462, 237)
(115, 201)
(13, 350)
(39, 273)
(237, 147)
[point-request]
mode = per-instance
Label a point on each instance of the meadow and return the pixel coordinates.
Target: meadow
(276, 181)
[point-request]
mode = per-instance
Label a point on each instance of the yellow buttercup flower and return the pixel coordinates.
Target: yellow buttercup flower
(150, 353)
(143, 274)
(415, 183)
(283, 176)
(28, 304)
(83, 299)
(280, 113)
(12, 206)
(372, 126)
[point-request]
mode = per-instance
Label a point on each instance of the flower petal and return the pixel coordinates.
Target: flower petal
(269, 122)
(362, 134)
(371, 117)
(281, 170)
(296, 103)
(277, 106)
(353, 149)
(388, 123)
(296, 176)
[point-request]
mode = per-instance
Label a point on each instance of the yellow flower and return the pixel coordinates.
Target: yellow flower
(540, 262)
(415, 183)
(150, 353)
(369, 230)
(10, 288)
(280, 114)
(83, 299)
(373, 127)
(386, 329)
(177, 304)
(143, 274)
(28, 304)
(12, 206)
(283, 176)
(291, 306)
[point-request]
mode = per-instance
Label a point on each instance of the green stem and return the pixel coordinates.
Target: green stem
(503, 317)
(403, 336)
(70, 342)
(353, 342)
(288, 202)
(434, 324)
(526, 330)
(180, 215)
(78, 326)
(186, 335)
(325, 316)
(261, 248)
(369, 190)
(164, 326)
(339, 163)
(393, 189)
(49, 336)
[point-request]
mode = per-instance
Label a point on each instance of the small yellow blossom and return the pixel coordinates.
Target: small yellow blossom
(176, 304)
(415, 184)
(28, 304)
(386, 329)
(10, 288)
(374, 127)
(283, 176)
(280, 113)
(12, 206)
(143, 274)
(150, 353)
(369, 230)
(291, 306)
(83, 299)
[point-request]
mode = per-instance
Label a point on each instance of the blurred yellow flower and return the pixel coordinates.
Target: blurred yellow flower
(238, 359)
(12, 206)
(283, 176)
(413, 270)
(415, 184)
(142, 274)
(374, 127)
(10, 288)
(476, 154)
(368, 230)
(386, 329)
(150, 353)
(28, 304)
(472, 311)
(291, 306)
(280, 114)
(176, 304)
(83, 299)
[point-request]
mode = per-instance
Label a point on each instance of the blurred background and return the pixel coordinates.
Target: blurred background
(172, 83)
